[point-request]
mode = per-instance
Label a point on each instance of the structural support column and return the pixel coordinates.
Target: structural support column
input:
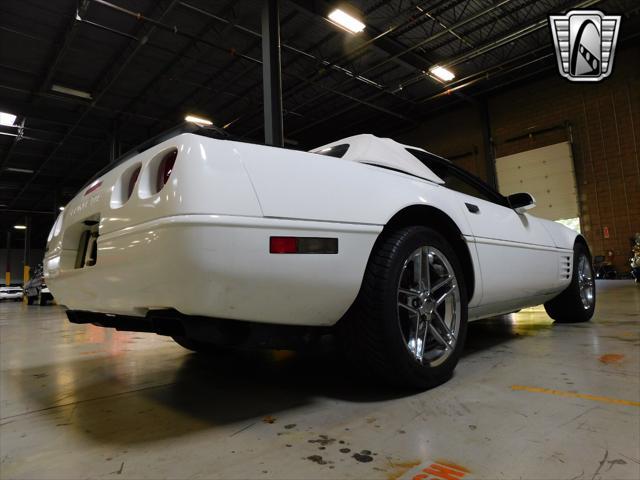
(27, 250)
(114, 144)
(7, 273)
(487, 140)
(271, 74)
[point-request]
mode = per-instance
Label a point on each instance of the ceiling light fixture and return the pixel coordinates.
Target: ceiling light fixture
(442, 73)
(7, 119)
(346, 21)
(61, 209)
(71, 91)
(18, 170)
(20, 227)
(198, 120)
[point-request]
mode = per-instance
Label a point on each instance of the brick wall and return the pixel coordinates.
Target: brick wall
(603, 122)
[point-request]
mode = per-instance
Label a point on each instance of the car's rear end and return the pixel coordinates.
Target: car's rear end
(179, 228)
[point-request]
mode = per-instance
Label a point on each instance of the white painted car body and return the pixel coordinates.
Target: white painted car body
(201, 245)
(11, 293)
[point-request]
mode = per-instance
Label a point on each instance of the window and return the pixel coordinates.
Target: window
(455, 182)
(337, 151)
(457, 179)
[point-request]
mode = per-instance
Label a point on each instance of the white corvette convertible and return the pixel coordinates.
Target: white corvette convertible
(222, 243)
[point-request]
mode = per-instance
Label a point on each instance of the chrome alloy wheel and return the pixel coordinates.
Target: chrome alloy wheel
(429, 308)
(585, 282)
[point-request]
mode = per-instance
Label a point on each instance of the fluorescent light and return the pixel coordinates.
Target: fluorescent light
(71, 91)
(442, 73)
(20, 227)
(198, 120)
(18, 170)
(346, 21)
(7, 119)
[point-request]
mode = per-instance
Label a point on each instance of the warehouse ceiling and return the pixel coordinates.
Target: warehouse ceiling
(88, 80)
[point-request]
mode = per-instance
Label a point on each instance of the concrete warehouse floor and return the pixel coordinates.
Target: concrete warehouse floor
(529, 400)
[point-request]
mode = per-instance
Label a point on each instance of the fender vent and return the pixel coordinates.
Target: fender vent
(565, 267)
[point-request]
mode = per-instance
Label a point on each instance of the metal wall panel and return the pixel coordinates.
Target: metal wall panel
(548, 174)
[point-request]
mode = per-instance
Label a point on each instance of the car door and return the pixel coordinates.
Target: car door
(517, 256)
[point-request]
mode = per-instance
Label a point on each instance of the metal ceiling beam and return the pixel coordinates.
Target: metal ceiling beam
(177, 58)
(522, 32)
(441, 33)
(58, 51)
(248, 58)
(107, 83)
(483, 49)
(420, 62)
(272, 74)
(60, 48)
(327, 66)
(30, 212)
(379, 41)
(486, 75)
(332, 66)
(75, 101)
(477, 78)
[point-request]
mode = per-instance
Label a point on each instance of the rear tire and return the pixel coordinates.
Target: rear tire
(577, 302)
(394, 333)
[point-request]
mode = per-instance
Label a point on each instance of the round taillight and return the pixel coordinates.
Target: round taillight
(165, 168)
(132, 181)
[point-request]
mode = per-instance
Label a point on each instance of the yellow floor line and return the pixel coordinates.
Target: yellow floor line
(586, 396)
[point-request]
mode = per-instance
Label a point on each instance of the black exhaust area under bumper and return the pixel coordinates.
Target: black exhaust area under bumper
(211, 330)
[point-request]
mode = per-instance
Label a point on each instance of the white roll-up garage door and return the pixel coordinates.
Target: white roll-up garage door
(547, 173)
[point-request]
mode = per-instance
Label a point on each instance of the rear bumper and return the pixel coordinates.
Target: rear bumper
(218, 266)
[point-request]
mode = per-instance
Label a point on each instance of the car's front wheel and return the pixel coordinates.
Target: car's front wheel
(578, 301)
(409, 322)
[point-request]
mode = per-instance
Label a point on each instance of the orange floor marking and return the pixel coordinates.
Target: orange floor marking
(585, 396)
(611, 358)
(439, 471)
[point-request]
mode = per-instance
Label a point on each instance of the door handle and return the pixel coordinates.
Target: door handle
(472, 208)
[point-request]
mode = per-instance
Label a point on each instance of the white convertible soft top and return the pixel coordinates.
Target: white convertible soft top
(367, 148)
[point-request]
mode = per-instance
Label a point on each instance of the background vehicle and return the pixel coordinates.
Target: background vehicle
(218, 242)
(36, 289)
(11, 292)
(604, 269)
(635, 258)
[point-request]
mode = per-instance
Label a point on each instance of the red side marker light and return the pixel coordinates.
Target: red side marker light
(283, 245)
(303, 245)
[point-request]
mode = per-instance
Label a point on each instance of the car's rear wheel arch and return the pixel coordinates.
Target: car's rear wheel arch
(432, 217)
(581, 240)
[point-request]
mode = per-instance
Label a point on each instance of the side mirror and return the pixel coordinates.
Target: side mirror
(521, 202)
